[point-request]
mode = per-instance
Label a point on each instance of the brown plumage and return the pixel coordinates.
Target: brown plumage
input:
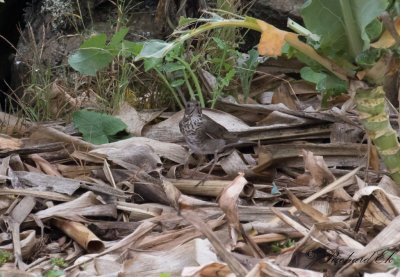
(203, 135)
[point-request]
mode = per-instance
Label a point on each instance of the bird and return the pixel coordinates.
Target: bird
(205, 136)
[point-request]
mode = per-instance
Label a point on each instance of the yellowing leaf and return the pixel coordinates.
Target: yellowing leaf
(386, 40)
(271, 41)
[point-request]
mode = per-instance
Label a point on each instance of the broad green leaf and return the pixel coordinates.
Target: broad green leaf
(171, 67)
(329, 85)
(374, 29)
(368, 57)
(133, 47)
(150, 63)
(90, 60)
(341, 24)
(310, 75)
(155, 49)
(177, 83)
(95, 127)
(93, 55)
(118, 37)
(98, 41)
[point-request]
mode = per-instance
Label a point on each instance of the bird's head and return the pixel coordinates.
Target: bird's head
(192, 107)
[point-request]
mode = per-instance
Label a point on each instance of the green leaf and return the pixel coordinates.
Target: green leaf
(95, 127)
(177, 83)
(92, 56)
(54, 273)
(171, 67)
(329, 85)
(155, 49)
(89, 61)
(98, 41)
(246, 69)
(374, 29)
(118, 37)
(368, 57)
(133, 47)
(310, 75)
(341, 24)
(150, 63)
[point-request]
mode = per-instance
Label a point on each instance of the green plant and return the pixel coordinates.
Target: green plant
(245, 70)
(165, 58)
(56, 262)
(54, 273)
(279, 245)
(339, 53)
(221, 65)
(98, 128)
(395, 258)
(165, 275)
(345, 30)
(175, 71)
(5, 257)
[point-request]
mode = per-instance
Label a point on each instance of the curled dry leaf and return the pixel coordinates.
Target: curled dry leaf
(9, 143)
(382, 209)
(271, 41)
(171, 151)
(210, 269)
(142, 156)
(81, 234)
(193, 253)
(318, 169)
(227, 201)
(28, 241)
(47, 167)
(135, 120)
(386, 40)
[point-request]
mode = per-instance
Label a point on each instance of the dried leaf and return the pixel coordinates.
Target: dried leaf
(386, 40)
(135, 120)
(272, 40)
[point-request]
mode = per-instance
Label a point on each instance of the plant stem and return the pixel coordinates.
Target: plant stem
(306, 49)
(372, 114)
(169, 87)
(189, 86)
(194, 78)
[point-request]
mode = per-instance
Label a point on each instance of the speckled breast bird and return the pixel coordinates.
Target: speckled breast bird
(203, 135)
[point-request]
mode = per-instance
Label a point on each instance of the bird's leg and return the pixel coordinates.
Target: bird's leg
(211, 169)
(212, 161)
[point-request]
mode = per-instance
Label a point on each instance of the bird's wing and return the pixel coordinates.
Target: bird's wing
(216, 131)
